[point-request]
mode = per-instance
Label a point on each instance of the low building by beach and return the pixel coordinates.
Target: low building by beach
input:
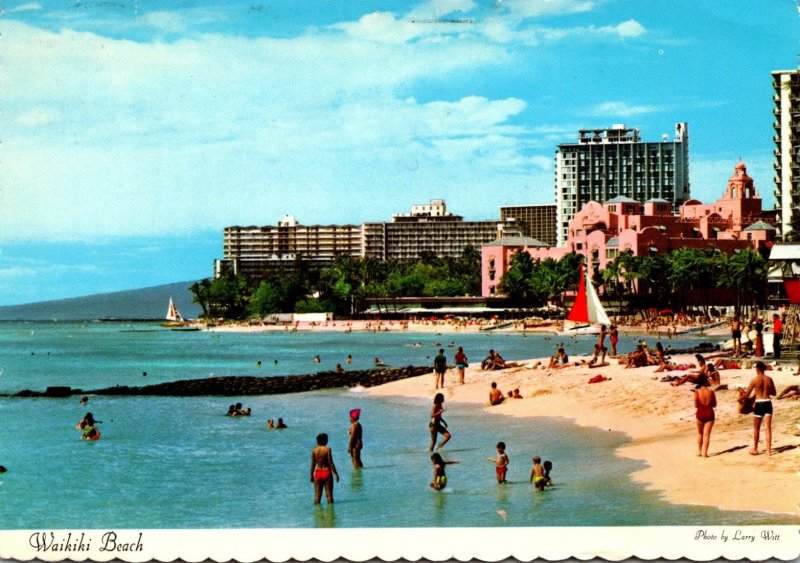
(600, 232)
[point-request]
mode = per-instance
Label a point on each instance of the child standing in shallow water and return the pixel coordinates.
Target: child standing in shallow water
(501, 462)
(537, 473)
(439, 477)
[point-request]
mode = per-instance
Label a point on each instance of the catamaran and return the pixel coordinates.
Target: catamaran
(173, 314)
(587, 311)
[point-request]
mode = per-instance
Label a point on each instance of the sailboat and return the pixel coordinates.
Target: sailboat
(174, 319)
(587, 310)
(172, 312)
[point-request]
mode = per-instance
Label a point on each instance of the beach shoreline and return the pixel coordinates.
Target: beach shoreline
(659, 420)
(452, 327)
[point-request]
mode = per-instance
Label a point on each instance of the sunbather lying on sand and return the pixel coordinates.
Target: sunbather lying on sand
(791, 392)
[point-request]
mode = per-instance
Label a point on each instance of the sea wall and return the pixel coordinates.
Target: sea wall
(246, 385)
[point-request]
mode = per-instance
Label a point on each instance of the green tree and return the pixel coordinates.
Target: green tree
(200, 294)
(516, 282)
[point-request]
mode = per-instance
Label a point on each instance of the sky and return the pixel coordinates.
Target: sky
(133, 132)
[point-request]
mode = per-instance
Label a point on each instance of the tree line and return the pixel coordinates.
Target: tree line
(343, 287)
(683, 277)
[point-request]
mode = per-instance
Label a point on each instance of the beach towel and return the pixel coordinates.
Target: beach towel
(746, 404)
(598, 379)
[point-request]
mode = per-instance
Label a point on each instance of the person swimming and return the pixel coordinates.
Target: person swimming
(88, 427)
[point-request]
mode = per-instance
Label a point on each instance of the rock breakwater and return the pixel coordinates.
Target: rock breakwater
(245, 385)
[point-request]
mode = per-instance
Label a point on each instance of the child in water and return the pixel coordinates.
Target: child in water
(501, 462)
(88, 428)
(439, 476)
(537, 473)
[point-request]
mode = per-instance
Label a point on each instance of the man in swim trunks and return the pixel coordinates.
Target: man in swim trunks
(322, 467)
(501, 462)
(764, 387)
(439, 368)
(736, 334)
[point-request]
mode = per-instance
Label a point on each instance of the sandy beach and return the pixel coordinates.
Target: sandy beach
(660, 421)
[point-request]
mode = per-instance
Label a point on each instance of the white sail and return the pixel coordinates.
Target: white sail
(172, 312)
(597, 314)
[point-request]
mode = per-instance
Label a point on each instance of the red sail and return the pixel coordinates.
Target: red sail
(580, 308)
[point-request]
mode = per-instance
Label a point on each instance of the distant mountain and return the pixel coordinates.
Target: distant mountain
(145, 303)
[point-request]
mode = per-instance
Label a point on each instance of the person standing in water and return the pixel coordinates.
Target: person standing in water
(537, 473)
(439, 477)
(355, 442)
(437, 424)
(323, 469)
(501, 462)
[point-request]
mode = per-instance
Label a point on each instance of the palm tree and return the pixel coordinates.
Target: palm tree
(200, 294)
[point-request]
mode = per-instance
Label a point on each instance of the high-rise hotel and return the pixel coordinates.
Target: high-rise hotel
(787, 139)
(606, 163)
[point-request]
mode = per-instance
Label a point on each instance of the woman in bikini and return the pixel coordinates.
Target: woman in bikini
(704, 401)
(323, 469)
(437, 424)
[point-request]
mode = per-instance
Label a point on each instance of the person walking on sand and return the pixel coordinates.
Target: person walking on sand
(355, 443)
(323, 469)
(764, 387)
(461, 363)
(501, 462)
(704, 401)
(437, 424)
(439, 477)
(439, 368)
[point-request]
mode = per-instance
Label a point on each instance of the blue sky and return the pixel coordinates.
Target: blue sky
(134, 132)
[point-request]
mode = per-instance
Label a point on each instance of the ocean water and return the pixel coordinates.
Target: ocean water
(180, 463)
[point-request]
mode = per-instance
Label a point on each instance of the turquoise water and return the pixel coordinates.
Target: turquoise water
(180, 463)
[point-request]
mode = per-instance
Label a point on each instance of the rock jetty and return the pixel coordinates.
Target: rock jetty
(245, 385)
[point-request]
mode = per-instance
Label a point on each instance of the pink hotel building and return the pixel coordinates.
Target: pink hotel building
(601, 231)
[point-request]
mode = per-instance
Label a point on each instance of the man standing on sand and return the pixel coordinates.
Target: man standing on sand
(439, 368)
(764, 388)
(777, 332)
(736, 334)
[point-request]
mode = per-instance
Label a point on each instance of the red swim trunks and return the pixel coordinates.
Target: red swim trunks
(322, 474)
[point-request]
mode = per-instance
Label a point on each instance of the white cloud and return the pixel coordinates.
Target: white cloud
(538, 8)
(629, 28)
(29, 7)
(621, 109)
